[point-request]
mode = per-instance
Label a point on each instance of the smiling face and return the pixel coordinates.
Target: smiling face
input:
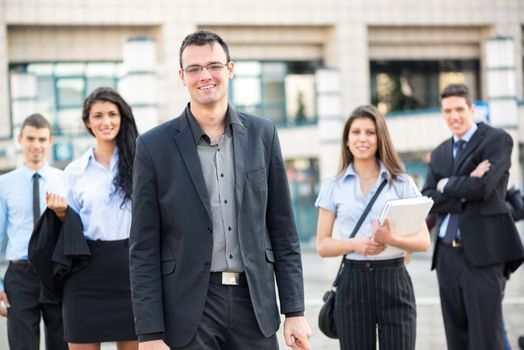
(208, 88)
(458, 114)
(104, 121)
(362, 139)
(35, 143)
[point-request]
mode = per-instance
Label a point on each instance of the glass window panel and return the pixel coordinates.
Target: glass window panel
(300, 97)
(273, 92)
(46, 96)
(274, 69)
(41, 68)
(100, 69)
(406, 85)
(119, 70)
(277, 114)
(303, 176)
(247, 68)
(246, 91)
(69, 69)
(70, 120)
(93, 83)
(70, 92)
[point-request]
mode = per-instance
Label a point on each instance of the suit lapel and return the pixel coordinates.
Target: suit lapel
(470, 147)
(240, 142)
(188, 150)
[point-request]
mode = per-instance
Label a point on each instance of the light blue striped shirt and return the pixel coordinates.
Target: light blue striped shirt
(342, 195)
(16, 206)
(90, 186)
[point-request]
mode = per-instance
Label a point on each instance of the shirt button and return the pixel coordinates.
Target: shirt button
(221, 175)
(229, 228)
(230, 256)
(210, 229)
(225, 201)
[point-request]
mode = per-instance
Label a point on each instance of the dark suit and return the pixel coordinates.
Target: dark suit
(171, 234)
(471, 276)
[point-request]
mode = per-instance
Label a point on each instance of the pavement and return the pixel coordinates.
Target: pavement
(318, 276)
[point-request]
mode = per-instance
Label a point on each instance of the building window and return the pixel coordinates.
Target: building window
(281, 91)
(399, 85)
(62, 87)
(303, 177)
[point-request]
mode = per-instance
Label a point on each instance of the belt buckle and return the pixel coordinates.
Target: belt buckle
(230, 278)
(456, 243)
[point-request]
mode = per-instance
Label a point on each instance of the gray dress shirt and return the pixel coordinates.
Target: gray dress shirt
(217, 162)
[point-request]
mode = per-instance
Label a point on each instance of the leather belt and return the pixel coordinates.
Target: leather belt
(20, 262)
(456, 243)
(228, 279)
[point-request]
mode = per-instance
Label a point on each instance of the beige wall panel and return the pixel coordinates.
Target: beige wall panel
(41, 43)
(276, 52)
(410, 42)
(423, 35)
(424, 51)
(270, 34)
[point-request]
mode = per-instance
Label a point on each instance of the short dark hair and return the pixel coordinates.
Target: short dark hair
(36, 121)
(201, 38)
(458, 90)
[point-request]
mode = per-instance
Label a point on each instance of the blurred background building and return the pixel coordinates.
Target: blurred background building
(303, 64)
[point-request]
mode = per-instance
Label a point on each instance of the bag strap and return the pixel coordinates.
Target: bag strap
(357, 227)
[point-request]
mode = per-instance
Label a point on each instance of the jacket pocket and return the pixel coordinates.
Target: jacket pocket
(269, 255)
(168, 266)
(257, 175)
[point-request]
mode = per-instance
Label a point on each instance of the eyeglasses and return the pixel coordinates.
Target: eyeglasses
(212, 68)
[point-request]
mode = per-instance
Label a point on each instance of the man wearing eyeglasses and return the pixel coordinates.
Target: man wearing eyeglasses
(212, 223)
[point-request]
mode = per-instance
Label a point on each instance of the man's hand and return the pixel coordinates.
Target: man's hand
(5, 304)
(441, 183)
(153, 345)
(297, 333)
(481, 169)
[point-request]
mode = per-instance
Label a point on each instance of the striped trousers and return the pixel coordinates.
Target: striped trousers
(376, 297)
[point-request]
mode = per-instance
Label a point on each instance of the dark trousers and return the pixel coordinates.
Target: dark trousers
(471, 301)
(229, 323)
(29, 303)
(371, 296)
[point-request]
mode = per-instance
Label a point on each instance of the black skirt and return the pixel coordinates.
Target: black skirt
(97, 299)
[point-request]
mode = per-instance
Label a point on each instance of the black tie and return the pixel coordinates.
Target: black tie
(451, 230)
(36, 198)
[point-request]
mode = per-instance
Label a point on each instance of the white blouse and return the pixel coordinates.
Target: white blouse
(90, 194)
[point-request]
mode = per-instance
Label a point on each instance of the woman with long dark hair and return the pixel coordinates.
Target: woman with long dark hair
(96, 299)
(374, 293)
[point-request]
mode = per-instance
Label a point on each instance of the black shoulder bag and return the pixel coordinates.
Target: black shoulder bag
(326, 316)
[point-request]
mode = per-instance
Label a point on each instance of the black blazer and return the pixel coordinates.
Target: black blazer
(487, 230)
(57, 248)
(171, 231)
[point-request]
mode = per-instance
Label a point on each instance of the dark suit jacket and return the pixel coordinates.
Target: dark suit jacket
(57, 249)
(171, 231)
(487, 230)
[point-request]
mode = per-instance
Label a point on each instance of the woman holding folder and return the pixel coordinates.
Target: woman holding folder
(374, 292)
